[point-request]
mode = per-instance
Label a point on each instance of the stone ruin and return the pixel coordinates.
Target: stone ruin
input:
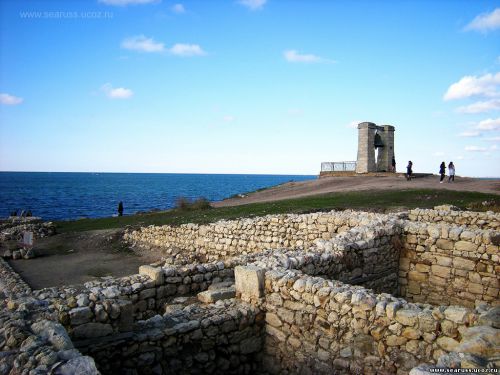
(375, 153)
(324, 293)
(374, 139)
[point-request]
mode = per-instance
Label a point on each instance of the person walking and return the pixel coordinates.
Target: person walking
(409, 171)
(120, 208)
(451, 171)
(393, 164)
(442, 171)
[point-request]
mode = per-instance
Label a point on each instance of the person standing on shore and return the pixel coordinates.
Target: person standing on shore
(409, 171)
(120, 208)
(393, 163)
(451, 171)
(442, 171)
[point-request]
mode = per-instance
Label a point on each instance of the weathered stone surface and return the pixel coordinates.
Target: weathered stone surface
(92, 330)
(77, 366)
(53, 333)
(457, 314)
(154, 273)
(407, 317)
(464, 264)
(249, 281)
(447, 343)
(80, 315)
(491, 318)
(214, 295)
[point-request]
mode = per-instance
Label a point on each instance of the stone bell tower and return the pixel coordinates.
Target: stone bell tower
(375, 148)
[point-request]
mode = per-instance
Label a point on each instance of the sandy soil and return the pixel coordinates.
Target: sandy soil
(359, 183)
(74, 258)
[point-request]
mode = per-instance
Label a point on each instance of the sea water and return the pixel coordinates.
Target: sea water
(63, 195)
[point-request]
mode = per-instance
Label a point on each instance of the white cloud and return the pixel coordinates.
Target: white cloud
(8, 99)
(485, 22)
(481, 106)
(475, 149)
(229, 118)
(116, 93)
(439, 153)
(469, 134)
(180, 49)
(128, 2)
(142, 44)
(178, 8)
(294, 56)
(460, 157)
(489, 124)
(492, 139)
(253, 4)
(485, 85)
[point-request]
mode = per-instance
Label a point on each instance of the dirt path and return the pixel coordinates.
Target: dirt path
(359, 183)
(74, 258)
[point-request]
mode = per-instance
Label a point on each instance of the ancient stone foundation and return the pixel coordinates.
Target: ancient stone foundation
(336, 292)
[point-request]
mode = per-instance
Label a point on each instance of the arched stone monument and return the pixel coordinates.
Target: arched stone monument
(372, 138)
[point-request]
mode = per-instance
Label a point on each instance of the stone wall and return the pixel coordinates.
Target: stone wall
(200, 339)
(318, 326)
(31, 339)
(294, 313)
(449, 214)
(111, 306)
(446, 264)
(246, 236)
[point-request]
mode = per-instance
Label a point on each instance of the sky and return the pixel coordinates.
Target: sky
(246, 86)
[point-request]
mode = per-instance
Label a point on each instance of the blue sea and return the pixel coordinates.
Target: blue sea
(61, 195)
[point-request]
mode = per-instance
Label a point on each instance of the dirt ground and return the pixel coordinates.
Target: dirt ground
(358, 183)
(75, 258)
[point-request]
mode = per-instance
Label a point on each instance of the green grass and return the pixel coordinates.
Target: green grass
(377, 200)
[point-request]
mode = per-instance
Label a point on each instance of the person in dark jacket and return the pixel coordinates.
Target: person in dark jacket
(393, 164)
(120, 208)
(409, 170)
(442, 171)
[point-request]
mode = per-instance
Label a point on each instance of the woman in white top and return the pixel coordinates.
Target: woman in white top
(451, 172)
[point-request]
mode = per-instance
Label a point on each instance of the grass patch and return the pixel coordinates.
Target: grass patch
(378, 200)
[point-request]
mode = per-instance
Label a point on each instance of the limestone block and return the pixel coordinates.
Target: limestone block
(407, 317)
(480, 340)
(440, 271)
(77, 365)
(154, 273)
(447, 343)
(464, 264)
(465, 246)
(457, 314)
(276, 333)
(445, 244)
(53, 333)
(416, 276)
(249, 281)
(92, 330)
(80, 315)
(424, 268)
(395, 340)
(491, 317)
(214, 295)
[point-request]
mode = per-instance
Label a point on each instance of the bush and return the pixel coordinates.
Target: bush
(184, 204)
